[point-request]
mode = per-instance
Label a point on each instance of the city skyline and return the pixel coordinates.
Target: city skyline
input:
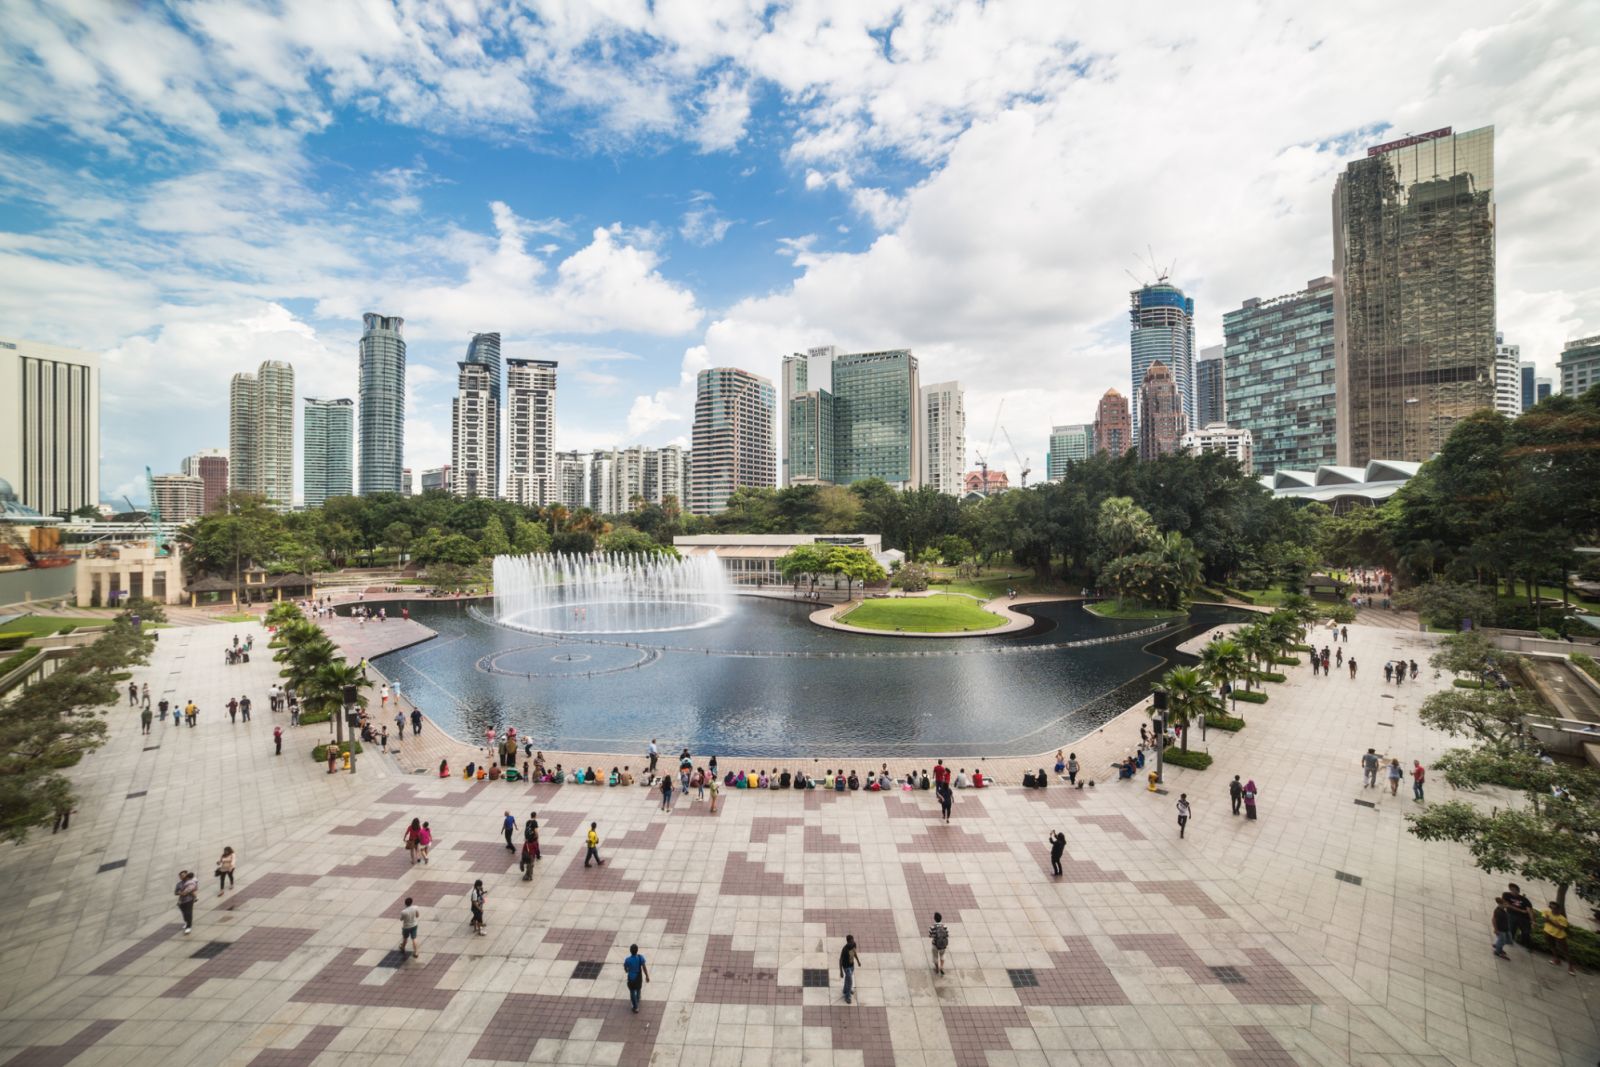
(697, 216)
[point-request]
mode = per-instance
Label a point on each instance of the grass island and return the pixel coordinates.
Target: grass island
(1131, 609)
(937, 614)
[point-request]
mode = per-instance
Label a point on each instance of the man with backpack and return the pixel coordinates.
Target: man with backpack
(849, 960)
(939, 934)
(638, 974)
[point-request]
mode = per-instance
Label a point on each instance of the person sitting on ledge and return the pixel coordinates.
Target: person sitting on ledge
(872, 783)
(538, 765)
(627, 776)
(1125, 769)
(494, 772)
(978, 780)
(855, 782)
(961, 779)
(482, 774)
(467, 774)
(444, 768)
(590, 777)
(514, 775)
(784, 780)
(839, 782)
(924, 783)
(764, 782)
(828, 779)
(614, 778)
(559, 776)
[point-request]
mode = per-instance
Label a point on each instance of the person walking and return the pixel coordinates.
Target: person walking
(146, 717)
(1058, 845)
(1250, 799)
(1395, 774)
(413, 840)
(1352, 666)
(939, 936)
(714, 786)
(133, 695)
(849, 960)
(144, 695)
(410, 918)
(1556, 929)
(1235, 793)
(1183, 813)
(593, 842)
(187, 891)
(476, 902)
(947, 799)
(653, 754)
(1072, 768)
(666, 792)
(383, 737)
(244, 709)
(1500, 924)
(638, 972)
(509, 827)
(277, 740)
(1417, 776)
(526, 861)
(1369, 769)
(225, 864)
(416, 722)
(1520, 913)
(233, 709)
(426, 838)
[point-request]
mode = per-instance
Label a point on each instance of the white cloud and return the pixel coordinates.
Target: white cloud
(703, 224)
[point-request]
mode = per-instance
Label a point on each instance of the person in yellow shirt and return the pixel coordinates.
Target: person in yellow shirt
(594, 846)
(1555, 932)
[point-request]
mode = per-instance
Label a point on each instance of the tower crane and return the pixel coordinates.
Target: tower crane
(983, 457)
(1026, 470)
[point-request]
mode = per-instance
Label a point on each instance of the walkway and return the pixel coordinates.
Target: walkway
(1320, 934)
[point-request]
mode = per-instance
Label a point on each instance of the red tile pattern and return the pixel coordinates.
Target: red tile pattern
(873, 927)
(405, 794)
(1059, 796)
(414, 984)
(138, 949)
(763, 827)
(266, 887)
(855, 1027)
(742, 878)
(676, 908)
(301, 1055)
(369, 827)
(974, 1031)
(490, 857)
(264, 944)
(1115, 824)
(730, 976)
(1264, 1050)
(1077, 977)
(1184, 893)
(1266, 981)
(575, 944)
(524, 1018)
(427, 895)
(931, 891)
(952, 838)
(819, 842)
(69, 1050)
(394, 864)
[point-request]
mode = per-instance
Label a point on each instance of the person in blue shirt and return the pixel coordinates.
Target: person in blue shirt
(638, 974)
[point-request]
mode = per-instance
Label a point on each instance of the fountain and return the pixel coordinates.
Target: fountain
(609, 593)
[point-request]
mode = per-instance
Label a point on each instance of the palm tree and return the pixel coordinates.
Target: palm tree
(324, 691)
(1223, 662)
(1257, 644)
(1188, 697)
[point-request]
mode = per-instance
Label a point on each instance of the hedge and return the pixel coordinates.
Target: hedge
(17, 659)
(1250, 696)
(12, 641)
(1272, 676)
(1287, 661)
(1583, 944)
(320, 753)
(67, 629)
(1586, 664)
(1469, 683)
(1195, 761)
(1224, 722)
(1301, 648)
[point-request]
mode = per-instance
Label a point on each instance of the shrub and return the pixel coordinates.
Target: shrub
(1195, 761)
(1286, 661)
(1224, 722)
(1470, 683)
(17, 659)
(1583, 944)
(9, 642)
(67, 629)
(1548, 634)
(1586, 664)
(320, 753)
(1250, 696)
(311, 718)
(1300, 648)
(1273, 676)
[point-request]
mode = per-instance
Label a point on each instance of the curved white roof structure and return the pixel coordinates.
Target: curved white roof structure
(1343, 487)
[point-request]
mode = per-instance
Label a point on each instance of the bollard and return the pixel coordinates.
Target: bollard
(1154, 778)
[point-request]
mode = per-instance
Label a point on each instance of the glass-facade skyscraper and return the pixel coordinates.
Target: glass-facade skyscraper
(870, 408)
(330, 436)
(484, 348)
(1280, 377)
(1210, 392)
(1068, 444)
(382, 390)
(1161, 322)
(1414, 314)
(1579, 366)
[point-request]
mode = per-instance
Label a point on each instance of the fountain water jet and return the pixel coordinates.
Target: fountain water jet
(609, 593)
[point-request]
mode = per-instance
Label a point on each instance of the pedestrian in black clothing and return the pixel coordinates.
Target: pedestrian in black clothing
(416, 722)
(947, 799)
(1236, 793)
(1058, 845)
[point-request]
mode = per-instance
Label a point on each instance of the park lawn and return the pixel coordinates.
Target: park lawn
(38, 625)
(1132, 609)
(923, 615)
(238, 618)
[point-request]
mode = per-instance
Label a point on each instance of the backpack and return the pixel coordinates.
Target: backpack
(941, 937)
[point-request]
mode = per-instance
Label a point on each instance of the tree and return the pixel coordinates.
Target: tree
(1223, 662)
(530, 538)
(1493, 715)
(241, 533)
(627, 540)
(1259, 646)
(573, 543)
(804, 561)
(324, 690)
(855, 565)
(1447, 604)
(1123, 527)
(1188, 697)
(397, 535)
(1470, 653)
(457, 549)
(912, 577)
(954, 550)
(494, 541)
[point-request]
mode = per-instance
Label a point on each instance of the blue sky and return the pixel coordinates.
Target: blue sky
(642, 190)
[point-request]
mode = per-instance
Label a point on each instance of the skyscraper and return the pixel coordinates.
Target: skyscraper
(531, 431)
(572, 480)
(1527, 377)
(1414, 314)
(733, 436)
(1161, 322)
(944, 437)
(1280, 376)
(382, 390)
(1113, 424)
(808, 456)
(210, 465)
(261, 433)
(806, 372)
(1507, 377)
(329, 452)
(1579, 365)
(407, 483)
(600, 468)
(50, 425)
(484, 348)
(1068, 444)
(876, 418)
(1161, 419)
(178, 497)
(474, 432)
(1210, 387)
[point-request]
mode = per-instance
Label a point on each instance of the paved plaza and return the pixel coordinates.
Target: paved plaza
(1320, 934)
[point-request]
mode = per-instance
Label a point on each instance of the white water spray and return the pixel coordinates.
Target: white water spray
(609, 593)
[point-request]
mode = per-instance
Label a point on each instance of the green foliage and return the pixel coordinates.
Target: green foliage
(1470, 653)
(932, 614)
(1250, 696)
(1189, 696)
(494, 541)
(1218, 721)
(1343, 614)
(954, 550)
(530, 538)
(573, 543)
(17, 659)
(626, 539)
(912, 577)
(1470, 683)
(1586, 664)
(11, 641)
(1286, 661)
(311, 718)
(1493, 715)
(1272, 676)
(855, 565)
(320, 753)
(1129, 609)
(1194, 760)
(283, 613)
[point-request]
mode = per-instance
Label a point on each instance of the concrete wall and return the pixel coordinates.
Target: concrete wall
(40, 583)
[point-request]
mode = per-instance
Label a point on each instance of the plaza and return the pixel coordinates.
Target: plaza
(1321, 933)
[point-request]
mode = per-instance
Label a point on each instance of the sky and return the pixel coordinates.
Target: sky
(640, 190)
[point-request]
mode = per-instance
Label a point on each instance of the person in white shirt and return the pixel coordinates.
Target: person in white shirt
(961, 779)
(410, 916)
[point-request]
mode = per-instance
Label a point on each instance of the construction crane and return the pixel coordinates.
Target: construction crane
(154, 511)
(983, 457)
(1026, 470)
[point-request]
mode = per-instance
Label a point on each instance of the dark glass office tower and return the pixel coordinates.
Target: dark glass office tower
(1414, 302)
(382, 391)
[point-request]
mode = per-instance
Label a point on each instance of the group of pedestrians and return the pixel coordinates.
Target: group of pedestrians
(1512, 923)
(187, 889)
(1372, 764)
